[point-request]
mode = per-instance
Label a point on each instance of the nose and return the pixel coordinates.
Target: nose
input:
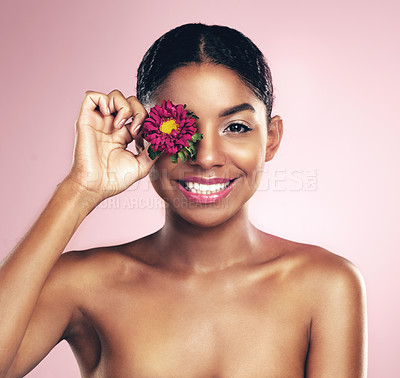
(209, 150)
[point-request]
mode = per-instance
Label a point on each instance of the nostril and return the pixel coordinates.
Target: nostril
(209, 156)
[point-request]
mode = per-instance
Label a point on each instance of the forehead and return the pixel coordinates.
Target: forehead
(207, 86)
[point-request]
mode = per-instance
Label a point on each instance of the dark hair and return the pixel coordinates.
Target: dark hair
(199, 43)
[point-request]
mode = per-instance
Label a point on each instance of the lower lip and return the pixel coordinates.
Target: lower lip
(206, 198)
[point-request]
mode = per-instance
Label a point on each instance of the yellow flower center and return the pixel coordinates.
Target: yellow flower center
(168, 126)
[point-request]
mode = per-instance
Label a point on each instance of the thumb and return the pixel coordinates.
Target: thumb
(145, 162)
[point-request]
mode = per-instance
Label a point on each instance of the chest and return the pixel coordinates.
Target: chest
(167, 330)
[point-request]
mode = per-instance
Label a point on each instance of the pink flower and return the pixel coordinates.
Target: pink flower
(171, 129)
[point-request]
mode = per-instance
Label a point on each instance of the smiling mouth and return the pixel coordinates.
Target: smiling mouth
(199, 188)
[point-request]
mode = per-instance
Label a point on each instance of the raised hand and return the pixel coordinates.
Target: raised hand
(102, 164)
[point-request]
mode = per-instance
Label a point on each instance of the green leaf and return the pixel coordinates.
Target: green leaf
(189, 151)
(152, 153)
(196, 137)
(174, 158)
(190, 114)
(182, 155)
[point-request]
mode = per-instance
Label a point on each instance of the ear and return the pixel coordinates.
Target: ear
(275, 131)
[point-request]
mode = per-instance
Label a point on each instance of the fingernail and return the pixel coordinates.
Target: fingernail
(136, 128)
(122, 123)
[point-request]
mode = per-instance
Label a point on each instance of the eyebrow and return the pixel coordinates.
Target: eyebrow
(237, 109)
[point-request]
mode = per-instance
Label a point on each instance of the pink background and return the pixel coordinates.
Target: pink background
(334, 182)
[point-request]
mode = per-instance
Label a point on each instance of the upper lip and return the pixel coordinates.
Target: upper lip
(206, 180)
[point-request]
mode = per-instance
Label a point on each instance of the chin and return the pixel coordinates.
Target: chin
(206, 215)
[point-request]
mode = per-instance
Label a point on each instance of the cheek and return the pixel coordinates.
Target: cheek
(158, 175)
(250, 153)
(250, 158)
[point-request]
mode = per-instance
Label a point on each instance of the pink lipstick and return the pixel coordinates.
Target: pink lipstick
(205, 190)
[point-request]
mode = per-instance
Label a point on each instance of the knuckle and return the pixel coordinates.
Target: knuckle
(140, 116)
(127, 110)
(91, 93)
(115, 92)
(88, 95)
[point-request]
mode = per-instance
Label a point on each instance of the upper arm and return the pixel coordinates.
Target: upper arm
(338, 341)
(49, 320)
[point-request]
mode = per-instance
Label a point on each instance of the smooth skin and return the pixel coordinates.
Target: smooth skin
(208, 295)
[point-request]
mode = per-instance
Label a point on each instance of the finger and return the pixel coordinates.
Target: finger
(139, 115)
(145, 162)
(120, 105)
(93, 100)
(122, 137)
(139, 141)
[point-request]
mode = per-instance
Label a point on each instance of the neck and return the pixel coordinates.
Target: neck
(183, 246)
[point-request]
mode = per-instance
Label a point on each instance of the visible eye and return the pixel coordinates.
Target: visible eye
(237, 128)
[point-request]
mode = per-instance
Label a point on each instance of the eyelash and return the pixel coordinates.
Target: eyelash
(246, 128)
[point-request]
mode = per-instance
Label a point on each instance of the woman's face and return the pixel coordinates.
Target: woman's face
(231, 155)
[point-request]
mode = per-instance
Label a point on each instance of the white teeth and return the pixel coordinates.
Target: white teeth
(195, 187)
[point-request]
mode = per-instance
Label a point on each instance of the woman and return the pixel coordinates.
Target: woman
(208, 294)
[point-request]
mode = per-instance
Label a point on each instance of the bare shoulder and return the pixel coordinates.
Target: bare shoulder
(320, 271)
(330, 274)
(329, 292)
(99, 267)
